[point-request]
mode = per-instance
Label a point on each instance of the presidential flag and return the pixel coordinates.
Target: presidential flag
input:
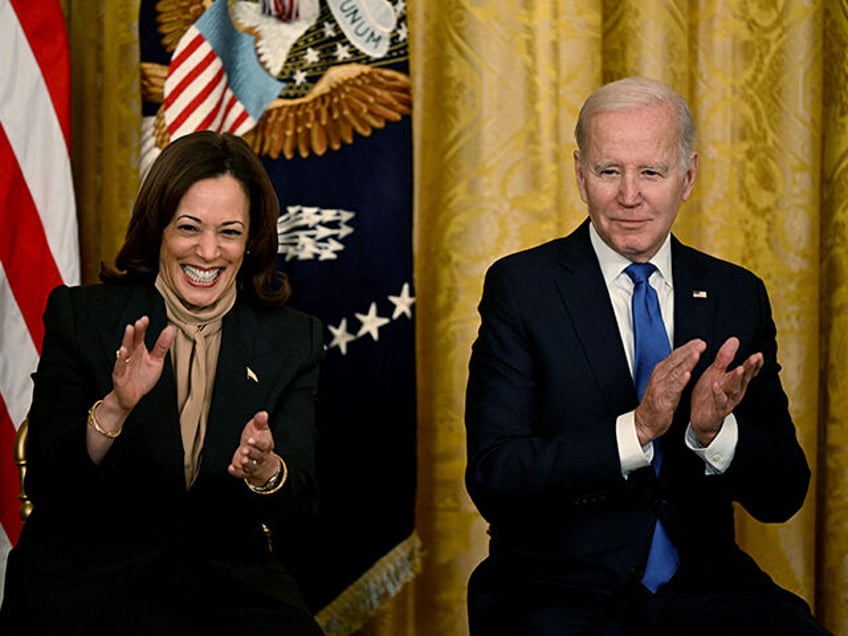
(321, 91)
(39, 243)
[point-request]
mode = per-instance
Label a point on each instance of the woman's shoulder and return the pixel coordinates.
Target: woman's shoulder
(98, 293)
(280, 323)
(101, 304)
(276, 313)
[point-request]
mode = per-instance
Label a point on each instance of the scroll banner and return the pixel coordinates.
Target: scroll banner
(321, 91)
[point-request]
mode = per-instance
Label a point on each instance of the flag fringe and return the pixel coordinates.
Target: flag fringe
(362, 598)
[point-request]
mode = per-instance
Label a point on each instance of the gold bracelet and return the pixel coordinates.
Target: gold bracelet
(275, 483)
(93, 423)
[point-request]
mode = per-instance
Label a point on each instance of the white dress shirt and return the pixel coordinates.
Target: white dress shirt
(719, 454)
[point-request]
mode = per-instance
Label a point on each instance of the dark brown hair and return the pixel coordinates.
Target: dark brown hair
(184, 162)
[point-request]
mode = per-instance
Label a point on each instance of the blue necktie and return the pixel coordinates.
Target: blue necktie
(651, 346)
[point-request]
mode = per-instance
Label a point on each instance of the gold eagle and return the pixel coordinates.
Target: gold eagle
(349, 99)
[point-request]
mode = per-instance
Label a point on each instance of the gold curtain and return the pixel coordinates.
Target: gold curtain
(106, 123)
(497, 86)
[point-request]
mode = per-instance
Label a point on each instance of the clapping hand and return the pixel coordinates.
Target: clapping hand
(136, 369)
(655, 412)
(719, 391)
(254, 459)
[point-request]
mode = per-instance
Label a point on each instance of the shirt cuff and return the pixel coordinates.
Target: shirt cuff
(720, 452)
(632, 454)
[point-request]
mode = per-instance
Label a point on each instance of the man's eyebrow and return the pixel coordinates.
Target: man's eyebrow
(599, 167)
(658, 167)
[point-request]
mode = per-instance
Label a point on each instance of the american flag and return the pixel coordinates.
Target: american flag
(214, 80)
(39, 241)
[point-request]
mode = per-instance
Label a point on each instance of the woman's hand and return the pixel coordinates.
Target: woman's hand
(136, 369)
(254, 459)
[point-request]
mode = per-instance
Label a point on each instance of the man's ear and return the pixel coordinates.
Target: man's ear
(580, 176)
(689, 177)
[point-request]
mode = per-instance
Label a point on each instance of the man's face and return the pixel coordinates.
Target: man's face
(631, 178)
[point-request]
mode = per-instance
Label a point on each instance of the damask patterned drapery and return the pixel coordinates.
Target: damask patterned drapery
(497, 86)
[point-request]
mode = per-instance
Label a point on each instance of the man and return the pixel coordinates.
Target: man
(612, 423)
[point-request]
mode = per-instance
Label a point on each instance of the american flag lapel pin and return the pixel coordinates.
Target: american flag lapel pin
(251, 375)
(699, 293)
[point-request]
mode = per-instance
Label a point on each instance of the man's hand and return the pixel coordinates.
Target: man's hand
(719, 391)
(655, 412)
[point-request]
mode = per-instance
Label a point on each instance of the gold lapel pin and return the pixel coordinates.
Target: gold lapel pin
(251, 375)
(699, 293)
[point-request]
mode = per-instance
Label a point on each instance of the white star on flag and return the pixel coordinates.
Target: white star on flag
(402, 303)
(371, 322)
(341, 336)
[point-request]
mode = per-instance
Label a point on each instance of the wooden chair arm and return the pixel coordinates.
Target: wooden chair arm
(20, 462)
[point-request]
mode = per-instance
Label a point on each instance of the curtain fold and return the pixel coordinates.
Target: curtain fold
(757, 100)
(497, 87)
(832, 447)
(106, 123)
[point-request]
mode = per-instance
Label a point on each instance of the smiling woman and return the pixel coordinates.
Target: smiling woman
(190, 172)
(179, 395)
(204, 244)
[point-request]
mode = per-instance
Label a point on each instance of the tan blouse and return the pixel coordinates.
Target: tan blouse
(194, 356)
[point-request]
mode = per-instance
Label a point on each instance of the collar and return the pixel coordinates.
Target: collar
(612, 263)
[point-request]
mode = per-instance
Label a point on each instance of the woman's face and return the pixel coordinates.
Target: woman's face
(203, 246)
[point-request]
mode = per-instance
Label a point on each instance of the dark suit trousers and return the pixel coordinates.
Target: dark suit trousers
(497, 607)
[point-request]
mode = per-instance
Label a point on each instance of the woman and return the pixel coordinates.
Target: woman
(171, 428)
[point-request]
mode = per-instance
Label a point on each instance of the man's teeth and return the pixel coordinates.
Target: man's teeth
(201, 275)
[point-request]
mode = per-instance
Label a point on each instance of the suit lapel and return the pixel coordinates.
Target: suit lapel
(229, 392)
(248, 365)
(694, 301)
(587, 303)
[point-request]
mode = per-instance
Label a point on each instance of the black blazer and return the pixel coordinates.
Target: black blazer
(95, 528)
(548, 377)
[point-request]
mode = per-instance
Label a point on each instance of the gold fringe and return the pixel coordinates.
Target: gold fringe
(361, 600)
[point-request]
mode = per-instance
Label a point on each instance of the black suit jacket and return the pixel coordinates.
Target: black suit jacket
(95, 528)
(548, 378)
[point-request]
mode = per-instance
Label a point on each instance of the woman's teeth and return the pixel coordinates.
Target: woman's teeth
(201, 275)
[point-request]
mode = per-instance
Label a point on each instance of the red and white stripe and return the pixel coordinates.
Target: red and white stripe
(197, 93)
(39, 246)
(286, 9)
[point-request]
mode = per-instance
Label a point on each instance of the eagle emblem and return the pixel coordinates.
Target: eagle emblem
(293, 77)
